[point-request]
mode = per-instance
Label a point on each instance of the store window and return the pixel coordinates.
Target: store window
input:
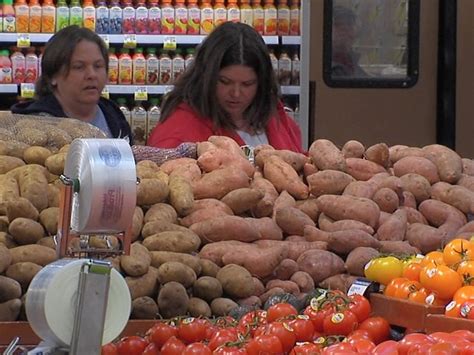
(371, 43)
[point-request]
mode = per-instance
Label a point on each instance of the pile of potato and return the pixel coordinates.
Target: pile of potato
(217, 231)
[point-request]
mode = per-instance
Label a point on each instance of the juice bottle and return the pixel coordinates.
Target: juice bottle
(274, 61)
(194, 17)
(113, 67)
(270, 18)
(233, 11)
(88, 11)
(9, 19)
(138, 124)
(115, 17)
(18, 66)
(220, 13)
(166, 66)
(5, 67)
(40, 58)
(152, 67)
(246, 12)
(177, 66)
(32, 63)
(154, 17)
(181, 18)
(62, 15)
(128, 13)
(75, 13)
(207, 17)
(102, 22)
(22, 12)
(141, 17)
(167, 17)
(189, 59)
(48, 17)
(153, 115)
(35, 16)
(125, 67)
(258, 16)
(295, 18)
(1, 19)
(138, 67)
(122, 102)
(284, 69)
(295, 69)
(283, 18)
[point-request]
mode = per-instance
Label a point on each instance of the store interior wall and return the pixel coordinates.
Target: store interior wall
(393, 116)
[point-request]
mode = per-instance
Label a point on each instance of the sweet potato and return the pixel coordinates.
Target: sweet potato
(417, 185)
(439, 213)
(198, 308)
(467, 166)
(417, 165)
(304, 281)
(325, 155)
(264, 207)
(225, 228)
(360, 189)
(454, 195)
(328, 182)
(408, 200)
(285, 269)
(207, 203)
(358, 258)
(447, 161)
(215, 251)
(296, 160)
(340, 282)
(203, 215)
(400, 152)
(379, 154)
(266, 227)
(313, 234)
(467, 181)
(343, 224)
(398, 247)
(394, 228)
(386, 199)
(189, 172)
(227, 144)
(320, 264)
(353, 149)
(293, 248)
(425, 238)
(362, 169)
(170, 165)
(283, 200)
(284, 177)
(243, 199)
(219, 158)
(292, 221)
(309, 207)
(218, 183)
(343, 242)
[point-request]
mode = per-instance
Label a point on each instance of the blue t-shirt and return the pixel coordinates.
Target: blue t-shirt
(100, 122)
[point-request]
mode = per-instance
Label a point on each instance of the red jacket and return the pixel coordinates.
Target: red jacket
(185, 125)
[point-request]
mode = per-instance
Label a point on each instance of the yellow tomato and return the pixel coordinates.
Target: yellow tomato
(383, 269)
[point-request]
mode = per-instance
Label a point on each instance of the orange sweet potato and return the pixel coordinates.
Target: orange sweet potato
(379, 154)
(264, 207)
(266, 227)
(417, 165)
(386, 199)
(448, 162)
(467, 166)
(362, 169)
(394, 228)
(454, 195)
(360, 189)
(325, 155)
(424, 238)
(225, 228)
(218, 158)
(328, 182)
(218, 183)
(353, 149)
(243, 199)
(284, 177)
(417, 185)
(292, 221)
(296, 160)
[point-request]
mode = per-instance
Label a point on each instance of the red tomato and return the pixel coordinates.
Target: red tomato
(303, 328)
(359, 334)
(109, 349)
(317, 317)
(161, 332)
(442, 337)
(466, 348)
(221, 337)
(360, 306)
(306, 349)
(388, 347)
(362, 346)
(339, 348)
(378, 328)
(264, 344)
(192, 330)
(132, 345)
(280, 310)
(412, 339)
(442, 349)
(151, 349)
(284, 332)
(340, 323)
(464, 333)
(229, 350)
(252, 320)
(173, 346)
(197, 349)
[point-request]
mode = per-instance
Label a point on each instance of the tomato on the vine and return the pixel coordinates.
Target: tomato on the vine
(252, 320)
(317, 316)
(192, 330)
(132, 345)
(413, 339)
(221, 337)
(160, 333)
(264, 344)
(173, 346)
(282, 330)
(377, 327)
(303, 328)
(109, 349)
(151, 349)
(339, 348)
(279, 311)
(230, 350)
(197, 349)
(340, 323)
(306, 349)
(360, 306)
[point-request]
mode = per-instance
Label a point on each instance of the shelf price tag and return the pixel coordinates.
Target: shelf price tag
(27, 90)
(359, 287)
(130, 41)
(23, 40)
(106, 40)
(141, 94)
(105, 93)
(169, 43)
(167, 88)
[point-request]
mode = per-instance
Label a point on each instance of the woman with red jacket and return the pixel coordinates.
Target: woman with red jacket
(230, 90)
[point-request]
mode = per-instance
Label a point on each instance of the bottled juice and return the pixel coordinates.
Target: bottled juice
(22, 12)
(258, 16)
(138, 124)
(153, 115)
(246, 12)
(152, 67)
(167, 17)
(9, 19)
(295, 69)
(177, 66)
(141, 17)
(295, 18)
(35, 16)
(125, 67)
(128, 17)
(233, 11)
(283, 18)
(220, 13)
(88, 11)
(18, 66)
(154, 17)
(40, 58)
(189, 59)
(122, 102)
(274, 61)
(166, 66)
(138, 67)
(75, 13)
(5, 67)
(102, 21)
(32, 64)
(284, 69)
(181, 18)
(62, 15)
(1, 19)
(270, 18)
(113, 67)
(207, 17)
(194, 17)
(48, 17)
(115, 17)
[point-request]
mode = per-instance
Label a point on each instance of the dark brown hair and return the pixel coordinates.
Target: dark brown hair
(229, 44)
(58, 52)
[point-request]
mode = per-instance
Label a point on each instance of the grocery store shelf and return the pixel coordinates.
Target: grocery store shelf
(290, 90)
(131, 89)
(287, 40)
(9, 88)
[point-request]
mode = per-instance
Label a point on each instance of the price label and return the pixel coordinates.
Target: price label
(105, 93)
(170, 43)
(359, 287)
(27, 90)
(130, 41)
(23, 40)
(141, 94)
(106, 40)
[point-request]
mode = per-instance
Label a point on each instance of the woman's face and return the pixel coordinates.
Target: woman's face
(86, 78)
(236, 89)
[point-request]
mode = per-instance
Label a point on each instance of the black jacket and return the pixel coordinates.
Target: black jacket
(49, 105)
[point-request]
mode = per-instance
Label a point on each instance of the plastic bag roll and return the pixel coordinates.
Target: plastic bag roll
(51, 302)
(105, 169)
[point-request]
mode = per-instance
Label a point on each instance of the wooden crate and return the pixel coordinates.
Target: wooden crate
(441, 323)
